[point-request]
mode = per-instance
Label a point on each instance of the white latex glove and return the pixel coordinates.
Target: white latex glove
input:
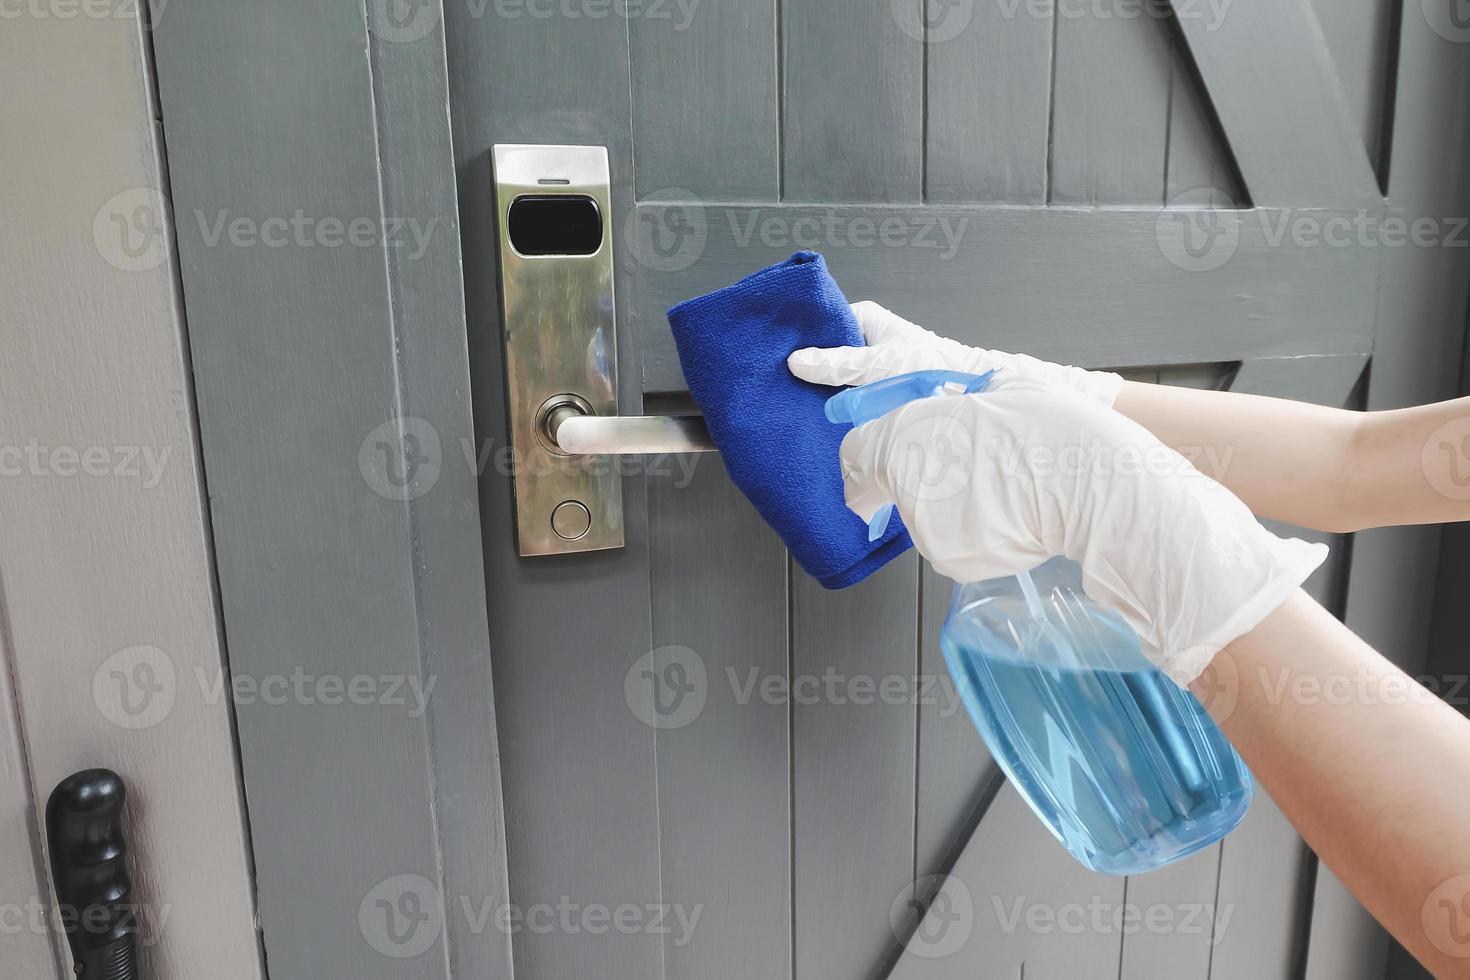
(896, 346)
(995, 483)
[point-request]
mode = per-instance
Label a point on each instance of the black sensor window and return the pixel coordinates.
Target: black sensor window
(555, 224)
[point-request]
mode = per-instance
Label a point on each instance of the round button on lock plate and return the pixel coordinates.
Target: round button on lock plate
(571, 519)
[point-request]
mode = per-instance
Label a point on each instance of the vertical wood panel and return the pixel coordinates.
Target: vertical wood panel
(322, 572)
(97, 557)
(1275, 90)
(1421, 303)
(853, 775)
(1200, 173)
(853, 102)
(29, 952)
(1110, 122)
(1187, 890)
(956, 773)
(578, 767)
(705, 100)
(719, 591)
(1263, 876)
(1360, 34)
(989, 99)
(1017, 905)
(417, 174)
(1186, 893)
(1265, 869)
(705, 114)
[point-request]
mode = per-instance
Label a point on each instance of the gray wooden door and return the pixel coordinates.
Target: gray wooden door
(1110, 184)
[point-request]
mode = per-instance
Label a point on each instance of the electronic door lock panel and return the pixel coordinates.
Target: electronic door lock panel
(559, 310)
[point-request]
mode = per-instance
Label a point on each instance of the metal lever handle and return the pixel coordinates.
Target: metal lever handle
(574, 432)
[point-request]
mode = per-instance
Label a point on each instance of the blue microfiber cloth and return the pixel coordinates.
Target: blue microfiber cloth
(777, 443)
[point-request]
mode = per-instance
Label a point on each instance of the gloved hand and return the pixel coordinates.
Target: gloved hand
(995, 483)
(896, 346)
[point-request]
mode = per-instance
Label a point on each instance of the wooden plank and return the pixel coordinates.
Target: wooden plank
(704, 106)
(299, 386)
(1269, 75)
(1362, 36)
(719, 600)
(852, 767)
(1189, 887)
(1182, 949)
(988, 96)
(1089, 287)
(577, 766)
(427, 288)
(1201, 172)
(853, 103)
(1110, 117)
(1017, 905)
(956, 775)
(1391, 598)
(706, 114)
(1266, 872)
(853, 108)
(29, 951)
(111, 637)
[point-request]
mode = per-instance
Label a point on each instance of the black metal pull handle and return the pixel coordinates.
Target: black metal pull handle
(89, 866)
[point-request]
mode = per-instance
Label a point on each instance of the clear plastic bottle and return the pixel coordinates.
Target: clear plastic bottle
(1124, 767)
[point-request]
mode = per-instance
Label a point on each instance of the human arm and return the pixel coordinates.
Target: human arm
(1324, 468)
(1370, 768)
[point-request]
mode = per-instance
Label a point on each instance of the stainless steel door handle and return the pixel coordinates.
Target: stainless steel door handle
(573, 432)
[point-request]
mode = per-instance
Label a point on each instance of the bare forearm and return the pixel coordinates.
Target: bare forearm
(1372, 770)
(1285, 459)
(1323, 468)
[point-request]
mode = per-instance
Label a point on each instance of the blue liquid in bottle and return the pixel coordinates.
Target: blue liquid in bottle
(1124, 767)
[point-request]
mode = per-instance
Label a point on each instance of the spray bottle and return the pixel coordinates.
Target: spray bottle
(1124, 767)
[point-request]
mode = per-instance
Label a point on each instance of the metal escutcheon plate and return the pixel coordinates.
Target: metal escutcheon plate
(560, 340)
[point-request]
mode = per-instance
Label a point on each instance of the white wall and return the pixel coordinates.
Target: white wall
(104, 543)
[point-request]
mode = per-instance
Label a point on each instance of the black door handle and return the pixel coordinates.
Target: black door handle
(89, 867)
